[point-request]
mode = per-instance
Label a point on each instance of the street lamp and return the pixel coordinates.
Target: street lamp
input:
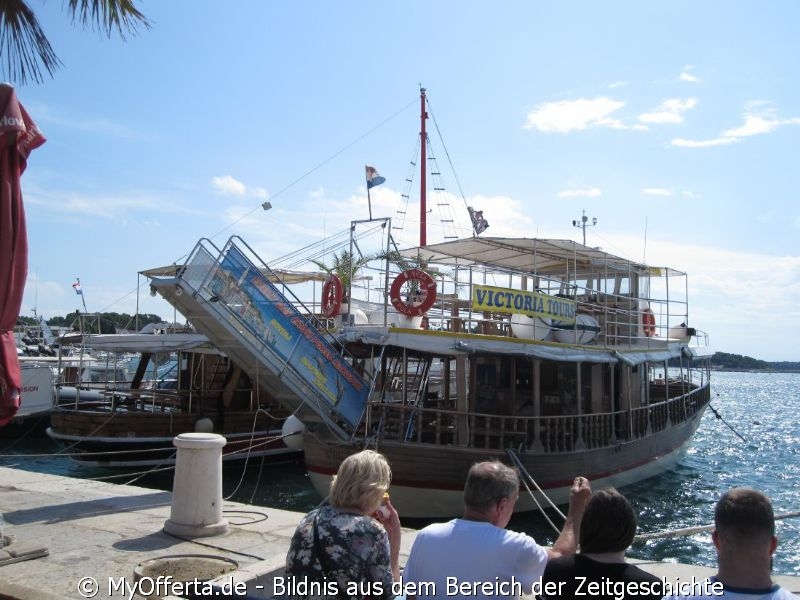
(582, 224)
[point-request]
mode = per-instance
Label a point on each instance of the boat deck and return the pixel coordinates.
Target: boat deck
(103, 531)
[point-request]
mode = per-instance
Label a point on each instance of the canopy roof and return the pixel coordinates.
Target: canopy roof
(275, 276)
(531, 255)
(148, 342)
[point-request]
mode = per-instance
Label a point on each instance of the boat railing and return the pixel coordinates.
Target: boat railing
(543, 434)
(616, 321)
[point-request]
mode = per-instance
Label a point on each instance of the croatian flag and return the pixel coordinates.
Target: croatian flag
(373, 178)
(77, 287)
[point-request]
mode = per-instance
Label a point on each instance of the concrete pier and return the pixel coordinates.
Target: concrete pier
(97, 533)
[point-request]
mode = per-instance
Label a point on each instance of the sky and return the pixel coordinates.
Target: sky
(674, 124)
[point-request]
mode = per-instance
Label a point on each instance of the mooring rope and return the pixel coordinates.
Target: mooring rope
(524, 471)
(642, 537)
(716, 414)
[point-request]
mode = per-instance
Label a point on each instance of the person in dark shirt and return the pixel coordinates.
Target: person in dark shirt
(599, 571)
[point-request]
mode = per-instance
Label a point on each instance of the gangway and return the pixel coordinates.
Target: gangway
(233, 298)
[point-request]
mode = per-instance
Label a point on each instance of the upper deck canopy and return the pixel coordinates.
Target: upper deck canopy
(531, 255)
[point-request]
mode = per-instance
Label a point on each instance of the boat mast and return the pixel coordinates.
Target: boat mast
(423, 138)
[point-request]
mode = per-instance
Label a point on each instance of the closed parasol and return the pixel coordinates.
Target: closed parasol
(18, 136)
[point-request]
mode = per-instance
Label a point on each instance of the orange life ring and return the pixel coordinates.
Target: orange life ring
(648, 323)
(331, 295)
(427, 291)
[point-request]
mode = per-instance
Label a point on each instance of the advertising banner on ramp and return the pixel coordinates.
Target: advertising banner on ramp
(284, 331)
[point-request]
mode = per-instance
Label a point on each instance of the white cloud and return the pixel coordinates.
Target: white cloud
(691, 194)
(656, 192)
(670, 111)
(617, 84)
(75, 207)
(755, 123)
(571, 115)
(46, 115)
(230, 186)
(581, 193)
(688, 77)
(684, 143)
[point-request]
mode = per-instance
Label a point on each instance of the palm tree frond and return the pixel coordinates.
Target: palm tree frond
(23, 44)
(108, 15)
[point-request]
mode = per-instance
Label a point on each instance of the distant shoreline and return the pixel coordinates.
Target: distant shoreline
(742, 370)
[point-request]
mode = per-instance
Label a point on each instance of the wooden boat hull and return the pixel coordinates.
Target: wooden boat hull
(137, 439)
(428, 479)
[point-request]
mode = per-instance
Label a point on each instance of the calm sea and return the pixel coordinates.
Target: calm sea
(762, 408)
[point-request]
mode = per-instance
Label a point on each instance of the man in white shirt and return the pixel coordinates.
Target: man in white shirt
(475, 556)
(744, 536)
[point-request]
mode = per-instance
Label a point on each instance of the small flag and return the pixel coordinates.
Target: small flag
(77, 287)
(479, 224)
(373, 178)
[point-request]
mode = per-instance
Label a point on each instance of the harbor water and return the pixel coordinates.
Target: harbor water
(762, 408)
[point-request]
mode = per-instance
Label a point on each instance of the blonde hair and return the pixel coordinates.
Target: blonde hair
(361, 481)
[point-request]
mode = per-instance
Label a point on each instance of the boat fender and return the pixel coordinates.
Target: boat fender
(204, 425)
(292, 432)
(331, 295)
(648, 323)
(413, 307)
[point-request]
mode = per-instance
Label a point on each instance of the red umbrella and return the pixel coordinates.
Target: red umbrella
(18, 136)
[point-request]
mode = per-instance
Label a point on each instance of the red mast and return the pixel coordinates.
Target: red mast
(423, 139)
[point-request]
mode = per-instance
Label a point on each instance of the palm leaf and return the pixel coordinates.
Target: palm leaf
(23, 44)
(25, 49)
(108, 15)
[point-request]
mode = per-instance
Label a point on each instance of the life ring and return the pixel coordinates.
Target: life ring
(427, 293)
(331, 296)
(648, 323)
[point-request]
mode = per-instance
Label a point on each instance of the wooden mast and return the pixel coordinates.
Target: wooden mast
(423, 139)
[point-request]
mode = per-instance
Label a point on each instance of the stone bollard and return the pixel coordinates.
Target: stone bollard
(197, 490)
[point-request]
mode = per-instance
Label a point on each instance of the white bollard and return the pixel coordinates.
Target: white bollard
(196, 509)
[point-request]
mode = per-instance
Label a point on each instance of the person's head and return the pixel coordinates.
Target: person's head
(492, 490)
(744, 518)
(361, 481)
(608, 523)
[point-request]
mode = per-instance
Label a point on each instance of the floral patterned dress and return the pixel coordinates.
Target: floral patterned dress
(349, 550)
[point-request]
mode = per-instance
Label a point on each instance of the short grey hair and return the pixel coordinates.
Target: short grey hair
(489, 482)
(744, 514)
(361, 481)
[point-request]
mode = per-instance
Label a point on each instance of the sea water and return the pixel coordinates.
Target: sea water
(763, 408)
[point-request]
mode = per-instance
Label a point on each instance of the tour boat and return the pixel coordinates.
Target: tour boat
(547, 354)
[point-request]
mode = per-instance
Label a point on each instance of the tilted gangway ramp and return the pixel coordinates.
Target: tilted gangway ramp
(237, 302)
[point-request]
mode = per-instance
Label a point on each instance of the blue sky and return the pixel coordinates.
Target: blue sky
(675, 124)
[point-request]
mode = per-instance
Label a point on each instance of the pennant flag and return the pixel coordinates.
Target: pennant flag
(479, 224)
(77, 287)
(373, 178)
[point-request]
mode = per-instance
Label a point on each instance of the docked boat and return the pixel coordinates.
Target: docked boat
(547, 354)
(38, 393)
(181, 384)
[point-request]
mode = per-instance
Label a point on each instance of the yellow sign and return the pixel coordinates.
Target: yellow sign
(532, 304)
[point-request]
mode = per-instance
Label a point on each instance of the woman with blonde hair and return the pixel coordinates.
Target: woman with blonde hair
(350, 547)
